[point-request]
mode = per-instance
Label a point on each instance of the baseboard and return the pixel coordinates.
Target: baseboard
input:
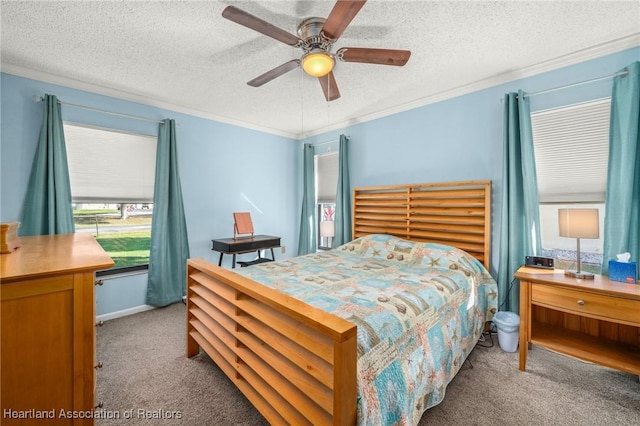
(124, 312)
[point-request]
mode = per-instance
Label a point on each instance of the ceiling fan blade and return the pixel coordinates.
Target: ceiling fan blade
(329, 87)
(274, 73)
(340, 17)
(241, 17)
(373, 56)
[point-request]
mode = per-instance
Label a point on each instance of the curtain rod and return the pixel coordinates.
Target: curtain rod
(119, 114)
(330, 141)
(566, 86)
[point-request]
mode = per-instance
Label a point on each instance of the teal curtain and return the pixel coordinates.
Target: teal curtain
(342, 219)
(169, 242)
(520, 223)
(622, 208)
(47, 206)
(307, 239)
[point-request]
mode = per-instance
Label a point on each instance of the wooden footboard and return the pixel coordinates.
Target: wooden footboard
(295, 363)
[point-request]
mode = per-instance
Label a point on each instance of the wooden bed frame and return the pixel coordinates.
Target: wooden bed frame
(457, 214)
(296, 363)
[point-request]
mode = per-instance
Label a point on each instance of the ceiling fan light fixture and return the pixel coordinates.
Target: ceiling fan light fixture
(317, 63)
(316, 37)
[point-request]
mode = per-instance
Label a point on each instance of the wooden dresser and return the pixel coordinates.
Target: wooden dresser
(48, 364)
(596, 320)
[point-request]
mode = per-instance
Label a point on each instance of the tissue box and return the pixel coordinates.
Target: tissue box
(626, 272)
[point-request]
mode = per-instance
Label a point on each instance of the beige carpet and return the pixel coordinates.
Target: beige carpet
(146, 379)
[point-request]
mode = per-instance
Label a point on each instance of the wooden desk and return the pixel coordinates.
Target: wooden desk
(596, 320)
(241, 245)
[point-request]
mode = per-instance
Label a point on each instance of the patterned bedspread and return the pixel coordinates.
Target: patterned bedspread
(419, 308)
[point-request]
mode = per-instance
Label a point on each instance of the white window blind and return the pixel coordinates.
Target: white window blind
(110, 166)
(326, 177)
(571, 146)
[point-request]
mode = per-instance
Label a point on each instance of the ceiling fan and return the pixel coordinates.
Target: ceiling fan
(315, 37)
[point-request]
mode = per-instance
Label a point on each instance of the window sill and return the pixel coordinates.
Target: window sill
(108, 274)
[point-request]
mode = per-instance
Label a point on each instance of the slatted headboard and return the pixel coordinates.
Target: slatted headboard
(453, 213)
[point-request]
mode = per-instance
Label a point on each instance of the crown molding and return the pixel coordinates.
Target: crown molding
(583, 55)
(132, 97)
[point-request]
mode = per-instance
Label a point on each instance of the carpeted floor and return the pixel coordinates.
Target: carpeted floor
(146, 379)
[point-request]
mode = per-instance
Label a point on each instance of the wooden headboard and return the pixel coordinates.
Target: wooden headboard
(453, 213)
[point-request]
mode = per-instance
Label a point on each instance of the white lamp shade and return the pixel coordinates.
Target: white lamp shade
(326, 228)
(579, 223)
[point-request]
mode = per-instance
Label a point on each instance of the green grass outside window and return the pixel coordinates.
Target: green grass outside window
(127, 248)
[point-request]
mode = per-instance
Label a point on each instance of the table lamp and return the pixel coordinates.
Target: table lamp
(578, 223)
(327, 230)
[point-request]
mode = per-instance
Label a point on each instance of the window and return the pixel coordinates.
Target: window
(326, 166)
(571, 146)
(112, 175)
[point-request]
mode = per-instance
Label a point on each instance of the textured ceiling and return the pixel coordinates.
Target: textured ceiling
(184, 56)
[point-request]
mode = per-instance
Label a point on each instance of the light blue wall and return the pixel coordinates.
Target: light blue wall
(461, 138)
(223, 169)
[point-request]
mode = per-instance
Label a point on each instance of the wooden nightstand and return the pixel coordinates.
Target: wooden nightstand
(596, 320)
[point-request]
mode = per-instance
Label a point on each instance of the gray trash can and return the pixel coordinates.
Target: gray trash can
(508, 324)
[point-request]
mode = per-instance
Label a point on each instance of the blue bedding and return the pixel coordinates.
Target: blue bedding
(419, 307)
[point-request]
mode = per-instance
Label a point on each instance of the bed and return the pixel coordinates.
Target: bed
(368, 333)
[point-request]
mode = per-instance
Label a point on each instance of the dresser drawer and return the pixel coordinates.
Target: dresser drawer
(587, 304)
